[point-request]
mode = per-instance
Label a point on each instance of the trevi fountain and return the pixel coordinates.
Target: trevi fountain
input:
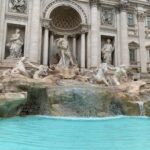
(74, 75)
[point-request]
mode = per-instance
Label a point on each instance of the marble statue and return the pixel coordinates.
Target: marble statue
(18, 6)
(107, 52)
(101, 74)
(20, 67)
(121, 73)
(15, 45)
(66, 57)
(41, 70)
(20, 70)
(107, 17)
(111, 75)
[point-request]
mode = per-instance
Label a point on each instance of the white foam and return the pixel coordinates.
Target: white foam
(93, 118)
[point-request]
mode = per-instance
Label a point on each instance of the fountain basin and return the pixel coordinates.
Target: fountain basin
(122, 133)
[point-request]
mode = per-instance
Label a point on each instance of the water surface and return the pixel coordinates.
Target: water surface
(44, 133)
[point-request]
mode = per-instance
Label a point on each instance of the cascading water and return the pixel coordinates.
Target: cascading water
(141, 106)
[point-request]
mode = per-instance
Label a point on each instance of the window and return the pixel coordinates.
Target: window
(133, 56)
(148, 21)
(130, 19)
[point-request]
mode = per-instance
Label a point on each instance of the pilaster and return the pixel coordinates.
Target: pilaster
(2, 26)
(34, 48)
(124, 33)
(82, 50)
(143, 53)
(95, 37)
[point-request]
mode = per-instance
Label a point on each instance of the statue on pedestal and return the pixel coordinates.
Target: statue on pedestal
(66, 56)
(107, 52)
(66, 67)
(15, 45)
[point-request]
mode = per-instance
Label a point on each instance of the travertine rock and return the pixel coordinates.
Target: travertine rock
(11, 104)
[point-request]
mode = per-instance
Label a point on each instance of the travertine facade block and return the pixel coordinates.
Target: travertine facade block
(88, 25)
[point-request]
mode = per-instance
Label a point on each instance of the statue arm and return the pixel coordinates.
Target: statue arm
(32, 65)
(16, 37)
(113, 48)
(103, 49)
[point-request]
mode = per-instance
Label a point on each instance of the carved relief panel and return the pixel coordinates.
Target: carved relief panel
(17, 6)
(107, 17)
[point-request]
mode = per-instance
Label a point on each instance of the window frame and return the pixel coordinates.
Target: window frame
(133, 58)
(131, 20)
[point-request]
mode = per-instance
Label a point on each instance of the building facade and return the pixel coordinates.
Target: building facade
(32, 27)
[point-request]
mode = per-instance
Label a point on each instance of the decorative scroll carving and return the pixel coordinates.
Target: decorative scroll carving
(19, 6)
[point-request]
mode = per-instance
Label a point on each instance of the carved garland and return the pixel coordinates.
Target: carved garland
(66, 1)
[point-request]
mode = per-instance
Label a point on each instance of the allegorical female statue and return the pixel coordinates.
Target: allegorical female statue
(107, 52)
(15, 45)
(66, 57)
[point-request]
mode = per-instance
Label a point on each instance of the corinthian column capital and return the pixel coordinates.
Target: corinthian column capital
(94, 2)
(141, 16)
(45, 23)
(124, 4)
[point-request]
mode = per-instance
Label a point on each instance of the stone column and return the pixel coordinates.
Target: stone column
(34, 39)
(95, 37)
(74, 46)
(45, 48)
(143, 53)
(2, 27)
(82, 56)
(124, 34)
(118, 51)
(51, 47)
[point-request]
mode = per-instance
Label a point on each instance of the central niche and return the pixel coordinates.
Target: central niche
(65, 18)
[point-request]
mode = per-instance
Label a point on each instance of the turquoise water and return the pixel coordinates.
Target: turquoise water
(43, 133)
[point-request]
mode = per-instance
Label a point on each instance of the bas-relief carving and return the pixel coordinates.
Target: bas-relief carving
(17, 6)
(107, 17)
